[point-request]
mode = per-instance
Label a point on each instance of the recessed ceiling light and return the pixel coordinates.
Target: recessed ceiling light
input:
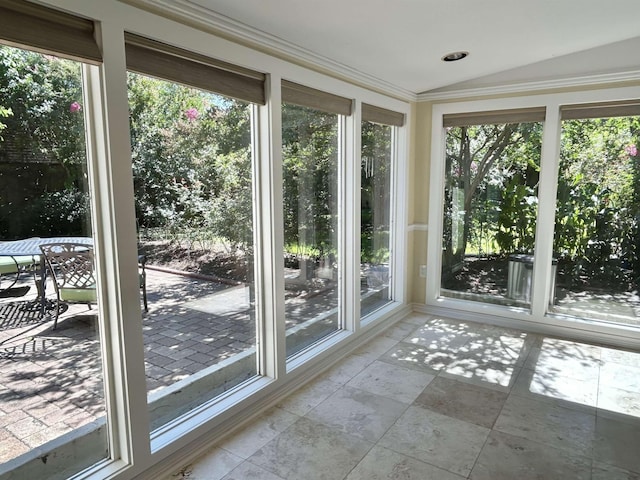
(452, 57)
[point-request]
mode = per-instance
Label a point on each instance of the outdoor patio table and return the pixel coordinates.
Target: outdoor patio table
(31, 247)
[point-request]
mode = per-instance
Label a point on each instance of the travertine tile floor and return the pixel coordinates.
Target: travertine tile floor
(439, 399)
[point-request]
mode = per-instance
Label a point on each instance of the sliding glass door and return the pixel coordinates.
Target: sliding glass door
(490, 207)
(598, 216)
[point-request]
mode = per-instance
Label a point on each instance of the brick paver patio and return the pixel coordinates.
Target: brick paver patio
(51, 380)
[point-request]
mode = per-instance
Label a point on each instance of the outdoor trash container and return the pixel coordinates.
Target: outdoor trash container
(520, 278)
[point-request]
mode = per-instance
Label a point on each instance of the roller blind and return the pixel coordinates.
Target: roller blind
(627, 108)
(522, 115)
(317, 99)
(189, 68)
(24, 24)
(371, 113)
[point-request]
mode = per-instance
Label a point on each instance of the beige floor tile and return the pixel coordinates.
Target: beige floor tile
(548, 423)
(561, 389)
(348, 368)
(436, 439)
(617, 442)
(309, 450)
(440, 338)
(507, 457)
(623, 377)
(463, 401)
(250, 439)
(602, 471)
(485, 373)
(212, 466)
(309, 396)
(496, 346)
(358, 413)
(622, 357)
(392, 381)
(246, 471)
(565, 358)
(418, 357)
(620, 401)
(376, 347)
(418, 319)
(384, 464)
(400, 330)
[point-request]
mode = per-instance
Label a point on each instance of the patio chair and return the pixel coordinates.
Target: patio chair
(71, 266)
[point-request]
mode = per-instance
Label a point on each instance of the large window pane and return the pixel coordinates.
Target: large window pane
(311, 201)
(490, 209)
(375, 226)
(192, 166)
(51, 376)
(596, 229)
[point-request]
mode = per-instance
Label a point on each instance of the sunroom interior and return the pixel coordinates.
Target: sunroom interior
(304, 187)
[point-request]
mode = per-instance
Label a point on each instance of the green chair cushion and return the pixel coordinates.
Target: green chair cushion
(83, 295)
(11, 264)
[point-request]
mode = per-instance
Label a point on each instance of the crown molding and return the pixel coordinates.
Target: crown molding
(199, 17)
(527, 87)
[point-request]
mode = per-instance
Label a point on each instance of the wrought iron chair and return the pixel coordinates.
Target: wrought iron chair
(71, 265)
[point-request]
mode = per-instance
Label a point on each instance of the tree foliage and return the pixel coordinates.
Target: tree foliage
(375, 193)
(42, 138)
(38, 98)
(491, 170)
(310, 179)
(597, 211)
(491, 193)
(191, 160)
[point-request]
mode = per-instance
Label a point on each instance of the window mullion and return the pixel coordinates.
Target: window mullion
(350, 264)
(548, 187)
(114, 221)
(271, 331)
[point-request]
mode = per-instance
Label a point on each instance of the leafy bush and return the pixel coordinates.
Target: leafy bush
(63, 213)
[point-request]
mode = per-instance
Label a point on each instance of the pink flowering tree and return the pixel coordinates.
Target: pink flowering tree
(631, 150)
(192, 114)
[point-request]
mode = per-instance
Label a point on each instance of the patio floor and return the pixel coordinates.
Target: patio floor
(51, 380)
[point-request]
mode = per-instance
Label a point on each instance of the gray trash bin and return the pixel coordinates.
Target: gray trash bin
(520, 278)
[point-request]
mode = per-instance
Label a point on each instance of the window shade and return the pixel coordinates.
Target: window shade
(375, 114)
(522, 115)
(24, 24)
(310, 97)
(189, 68)
(627, 108)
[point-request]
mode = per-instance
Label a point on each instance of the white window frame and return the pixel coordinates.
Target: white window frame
(537, 318)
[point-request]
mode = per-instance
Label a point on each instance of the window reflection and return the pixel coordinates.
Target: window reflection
(51, 376)
(311, 199)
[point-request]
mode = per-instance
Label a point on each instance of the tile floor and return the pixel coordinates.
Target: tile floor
(433, 398)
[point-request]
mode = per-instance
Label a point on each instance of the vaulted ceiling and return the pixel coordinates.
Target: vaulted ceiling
(400, 43)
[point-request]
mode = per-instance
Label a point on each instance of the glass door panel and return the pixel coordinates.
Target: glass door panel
(311, 223)
(489, 215)
(52, 400)
(596, 237)
(193, 177)
(375, 217)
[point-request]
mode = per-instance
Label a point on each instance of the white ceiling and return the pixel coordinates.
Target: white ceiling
(401, 42)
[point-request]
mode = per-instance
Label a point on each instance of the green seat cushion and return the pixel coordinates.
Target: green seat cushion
(11, 264)
(85, 295)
